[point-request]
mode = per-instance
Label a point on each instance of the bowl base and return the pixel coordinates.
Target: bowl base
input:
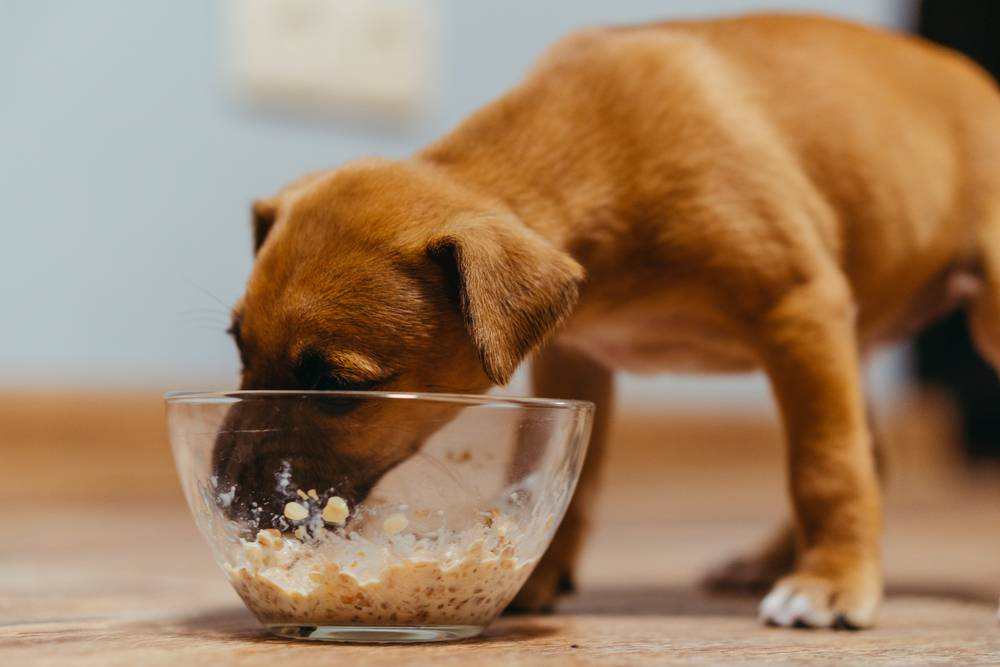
(375, 634)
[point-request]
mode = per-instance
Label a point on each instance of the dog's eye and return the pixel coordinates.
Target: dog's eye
(341, 384)
(314, 372)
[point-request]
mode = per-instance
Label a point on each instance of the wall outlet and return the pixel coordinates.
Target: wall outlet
(365, 55)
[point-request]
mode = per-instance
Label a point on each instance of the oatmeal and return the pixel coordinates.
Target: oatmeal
(397, 578)
(336, 510)
(396, 523)
(296, 511)
(320, 561)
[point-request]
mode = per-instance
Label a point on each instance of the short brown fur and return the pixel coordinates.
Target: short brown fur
(773, 192)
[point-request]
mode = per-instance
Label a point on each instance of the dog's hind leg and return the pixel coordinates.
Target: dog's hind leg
(558, 372)
(984, 309)
(758, 569)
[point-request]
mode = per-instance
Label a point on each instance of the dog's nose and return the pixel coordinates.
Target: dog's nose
(259, 491)
(262, 463)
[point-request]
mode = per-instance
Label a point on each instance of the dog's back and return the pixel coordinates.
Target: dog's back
(887, 146)
(900, 136)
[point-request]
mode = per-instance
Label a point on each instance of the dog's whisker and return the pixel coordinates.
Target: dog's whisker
(227, 308)
(206, 327)
(222, 324)
(204, 312)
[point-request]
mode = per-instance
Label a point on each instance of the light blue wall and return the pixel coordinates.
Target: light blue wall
(126, 170)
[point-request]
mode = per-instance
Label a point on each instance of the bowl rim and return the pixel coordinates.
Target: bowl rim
(226, 396)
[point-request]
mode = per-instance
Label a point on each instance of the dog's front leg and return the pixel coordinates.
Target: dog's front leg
(757, 570)
(808, 347)
(559, 372)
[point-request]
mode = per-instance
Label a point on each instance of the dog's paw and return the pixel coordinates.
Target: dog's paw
(746, 574)
(810, 601)
(543, 588)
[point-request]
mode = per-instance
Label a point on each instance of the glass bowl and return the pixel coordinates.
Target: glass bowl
(376, 516)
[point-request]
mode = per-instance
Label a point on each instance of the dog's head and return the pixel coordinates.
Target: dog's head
(378, 276)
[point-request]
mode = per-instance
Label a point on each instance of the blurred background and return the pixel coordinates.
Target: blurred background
(133, 138)
(135, 135)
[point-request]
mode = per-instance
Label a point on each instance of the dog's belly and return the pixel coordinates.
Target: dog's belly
(651, 338)
(952, 289)
(644, 344)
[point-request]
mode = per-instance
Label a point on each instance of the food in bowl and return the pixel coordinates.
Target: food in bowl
(436, 550)
(333, 577)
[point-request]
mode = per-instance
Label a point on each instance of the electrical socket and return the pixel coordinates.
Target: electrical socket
(366, 55)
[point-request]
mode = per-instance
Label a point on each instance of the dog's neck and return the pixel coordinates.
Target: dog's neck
(506, 152)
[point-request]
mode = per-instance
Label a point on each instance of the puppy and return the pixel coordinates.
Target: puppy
(771, 192)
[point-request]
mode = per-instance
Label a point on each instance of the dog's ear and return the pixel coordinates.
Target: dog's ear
(264, 213)
(512, 285)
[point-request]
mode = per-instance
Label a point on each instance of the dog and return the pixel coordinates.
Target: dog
(770, 192)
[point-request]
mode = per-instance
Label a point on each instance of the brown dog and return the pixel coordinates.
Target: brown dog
(771, 192)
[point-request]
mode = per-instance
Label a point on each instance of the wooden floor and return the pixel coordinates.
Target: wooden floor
(101, 564)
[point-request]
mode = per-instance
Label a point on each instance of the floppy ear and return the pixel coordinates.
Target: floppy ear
(264, 213)
(513, 287)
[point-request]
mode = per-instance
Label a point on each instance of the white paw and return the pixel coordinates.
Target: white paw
(810, 602)
(787, 607)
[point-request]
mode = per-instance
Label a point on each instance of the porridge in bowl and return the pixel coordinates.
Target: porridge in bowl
(322, 543)
(383, 566)
(460, 579)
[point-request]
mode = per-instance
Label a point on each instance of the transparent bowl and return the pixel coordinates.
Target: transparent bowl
(376, 516)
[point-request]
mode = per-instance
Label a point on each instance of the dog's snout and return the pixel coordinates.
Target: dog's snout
(264, 460)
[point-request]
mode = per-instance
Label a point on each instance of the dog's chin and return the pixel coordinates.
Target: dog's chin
(265, 458)
(258, 490)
